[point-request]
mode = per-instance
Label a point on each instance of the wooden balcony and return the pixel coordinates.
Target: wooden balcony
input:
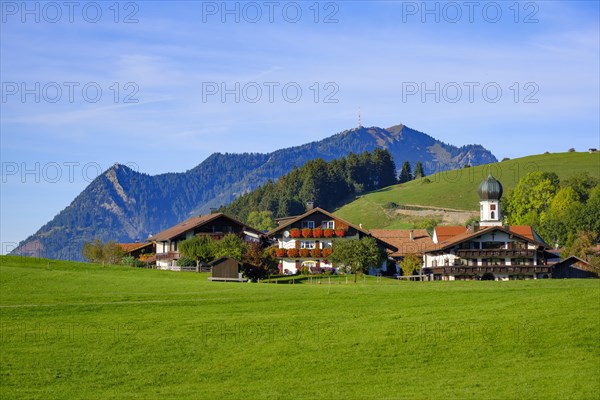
(170, 255)
(495, 253)
(494, 269)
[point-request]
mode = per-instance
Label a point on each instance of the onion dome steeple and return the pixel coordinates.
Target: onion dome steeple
(490, 189)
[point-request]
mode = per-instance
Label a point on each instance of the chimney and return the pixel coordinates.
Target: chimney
(310, 205)
(213, 210)
(412, 235)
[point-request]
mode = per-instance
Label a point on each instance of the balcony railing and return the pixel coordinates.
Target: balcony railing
(475, 270)
(499, 253)
(170, 255)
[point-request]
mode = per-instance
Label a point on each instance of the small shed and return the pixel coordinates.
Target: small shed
(226, 269)
(573, 267)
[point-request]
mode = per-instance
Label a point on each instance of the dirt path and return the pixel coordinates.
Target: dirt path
(448, 216)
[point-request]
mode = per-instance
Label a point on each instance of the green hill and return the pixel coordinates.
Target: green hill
(457, 189)
(84, 331)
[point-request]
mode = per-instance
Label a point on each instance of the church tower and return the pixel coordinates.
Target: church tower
(490, 192)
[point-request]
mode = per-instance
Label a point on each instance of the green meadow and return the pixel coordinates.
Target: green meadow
(84, 331)
(457, 189)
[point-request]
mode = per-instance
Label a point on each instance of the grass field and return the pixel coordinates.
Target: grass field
(458, 189)
(75, 330)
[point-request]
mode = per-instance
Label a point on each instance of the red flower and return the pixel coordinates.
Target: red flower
(295, 232)
(306, 232)
(315, 253)
(304, 253)
(327, 232)
(292, 253)
(280, 252)
(318, 232)
(326, 252)
(340, 232)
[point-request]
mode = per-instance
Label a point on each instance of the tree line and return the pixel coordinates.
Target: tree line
(565, 213)
(203, 249)
(327, 184)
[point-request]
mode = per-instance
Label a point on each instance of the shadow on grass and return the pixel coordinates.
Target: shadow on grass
(324, 279)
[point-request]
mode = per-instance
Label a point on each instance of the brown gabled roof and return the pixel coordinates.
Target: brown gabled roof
(193, 223)
(291, 221)
(129, 247)
(523, 230)
(444, 233)
(469, 234)
(400, 238)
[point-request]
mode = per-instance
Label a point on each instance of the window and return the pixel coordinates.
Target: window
(307, 244)
(308, 224)
(493, 207)
(493, 215)
(328, 224)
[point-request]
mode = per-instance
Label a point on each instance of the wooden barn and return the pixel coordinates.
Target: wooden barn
(573, 267)
(226, 269)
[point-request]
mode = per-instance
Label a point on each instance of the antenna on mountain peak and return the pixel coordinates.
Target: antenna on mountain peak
(359, 124)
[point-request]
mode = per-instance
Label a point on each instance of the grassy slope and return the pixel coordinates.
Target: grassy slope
(458, 189)
(74, 330)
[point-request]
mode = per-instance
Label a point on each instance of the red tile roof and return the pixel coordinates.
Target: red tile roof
(444, 233)
(400, 238)
(523, 230)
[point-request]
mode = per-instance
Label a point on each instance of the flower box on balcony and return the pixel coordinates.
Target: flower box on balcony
(326, 252)
(340, 232)
(292, 253)
(306, 233)
(295, 233)
(280, 253)
(315, 253)
(304, 253)
(317, 232)
(327, 232)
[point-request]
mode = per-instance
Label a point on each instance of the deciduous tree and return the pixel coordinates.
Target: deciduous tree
(410, 264)
(199, 248)
(356, 256)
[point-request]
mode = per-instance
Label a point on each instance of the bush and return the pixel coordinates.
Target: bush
(391, 205)
(571, 150)
(186, 262)
(132, 262)
(426, 180)
(303, 270)
(316, 270)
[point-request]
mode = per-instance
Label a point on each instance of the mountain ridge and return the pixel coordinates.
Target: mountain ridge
(125, 205)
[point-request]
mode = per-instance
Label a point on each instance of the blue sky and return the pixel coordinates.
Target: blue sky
(154, 74)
